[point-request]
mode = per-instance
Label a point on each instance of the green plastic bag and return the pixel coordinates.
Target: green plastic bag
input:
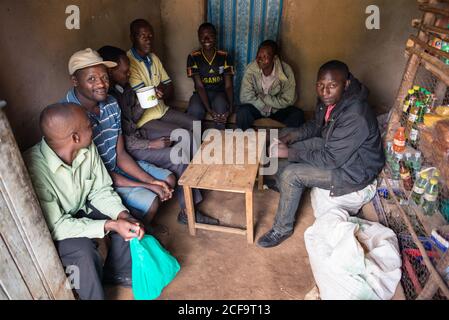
(153, 268)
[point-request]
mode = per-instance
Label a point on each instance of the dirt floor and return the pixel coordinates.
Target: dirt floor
(222, 266)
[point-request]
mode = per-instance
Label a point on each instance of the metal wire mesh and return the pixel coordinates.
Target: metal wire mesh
(415, 274)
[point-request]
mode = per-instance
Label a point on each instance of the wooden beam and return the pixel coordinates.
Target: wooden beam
(433, 64)
(220, 228)
(440, 32)
(429, 8)
(428, 48)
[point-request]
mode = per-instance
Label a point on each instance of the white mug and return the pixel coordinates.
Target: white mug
(147, 97)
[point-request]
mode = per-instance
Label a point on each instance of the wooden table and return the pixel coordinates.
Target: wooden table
(234, 168)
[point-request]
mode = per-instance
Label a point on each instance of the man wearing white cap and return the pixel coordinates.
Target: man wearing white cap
(141, 185)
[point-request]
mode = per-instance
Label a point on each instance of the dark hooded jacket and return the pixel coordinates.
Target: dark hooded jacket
(350, 144)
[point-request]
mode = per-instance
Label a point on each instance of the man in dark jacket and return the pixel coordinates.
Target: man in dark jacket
(340, 150)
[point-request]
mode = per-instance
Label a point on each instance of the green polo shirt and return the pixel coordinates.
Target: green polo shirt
(63, 190)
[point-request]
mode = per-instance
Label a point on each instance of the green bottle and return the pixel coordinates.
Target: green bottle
(408, 103)
(414, 135)
(430, 198)
(420, 187)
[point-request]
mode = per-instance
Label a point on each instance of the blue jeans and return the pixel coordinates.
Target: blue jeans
(139, 198)
(292, 180)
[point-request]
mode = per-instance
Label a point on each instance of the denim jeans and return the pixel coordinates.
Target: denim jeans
(292, 180)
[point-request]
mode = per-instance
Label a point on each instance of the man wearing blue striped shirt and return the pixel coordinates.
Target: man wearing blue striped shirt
(141, 185)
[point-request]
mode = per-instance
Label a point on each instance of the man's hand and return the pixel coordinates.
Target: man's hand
(125, 215)
(160, 143)
(162, 189)
(222, 118)
(159, 93)
(287, 139)
(278, 150)
(266, 111)
(127, 230)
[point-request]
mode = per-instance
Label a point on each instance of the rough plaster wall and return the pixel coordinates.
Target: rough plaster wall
(314, 32)
(180, 21)
(36, 48)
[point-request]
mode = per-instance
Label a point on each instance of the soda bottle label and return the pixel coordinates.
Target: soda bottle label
(405, 176)
(430, 197)
(418, 190)
(399, 143)
(412, 118)
(406, 105)
(414, 134)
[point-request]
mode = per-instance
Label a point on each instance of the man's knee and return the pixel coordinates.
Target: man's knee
(196, 108)
(171, 180)
(77, 250)
(220, 103)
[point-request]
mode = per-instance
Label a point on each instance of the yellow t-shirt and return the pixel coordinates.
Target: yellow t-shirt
(140, 77)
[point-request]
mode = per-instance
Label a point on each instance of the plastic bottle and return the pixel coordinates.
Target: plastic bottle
(408, 103)
(399, 140)
(420, 187)
(416, 165)
(414, 136)
(389, 152)
(405, 176)
(395, 166)
(409, 160)
(430, 198)
(412, 117)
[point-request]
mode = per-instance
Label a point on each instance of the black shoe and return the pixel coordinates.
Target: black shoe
(271, 184)
(119, 280)
(271, 239)
(199, 217)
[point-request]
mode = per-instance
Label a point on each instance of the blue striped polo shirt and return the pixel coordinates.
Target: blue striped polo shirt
(106, 128)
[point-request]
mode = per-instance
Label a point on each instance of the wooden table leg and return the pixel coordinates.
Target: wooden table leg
(190, 209)
(249, 216)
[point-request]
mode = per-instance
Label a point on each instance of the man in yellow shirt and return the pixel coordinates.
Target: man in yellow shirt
(147, 70)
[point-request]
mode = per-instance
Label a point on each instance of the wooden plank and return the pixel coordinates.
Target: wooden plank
(442, 33)
(12, 282)
(249, 217)
(220, 228)
(190, 209)
(432, 64)
(238, 155)
(428, 48)
(429, 8)
(30, 227)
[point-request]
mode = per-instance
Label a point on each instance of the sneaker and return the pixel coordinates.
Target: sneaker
(271, 239)
(199, 218)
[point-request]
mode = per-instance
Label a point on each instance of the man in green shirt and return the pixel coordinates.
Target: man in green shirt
(77, 199)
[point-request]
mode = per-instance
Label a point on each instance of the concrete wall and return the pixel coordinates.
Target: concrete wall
(314, 32)
(180, 21)
(36, 47)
